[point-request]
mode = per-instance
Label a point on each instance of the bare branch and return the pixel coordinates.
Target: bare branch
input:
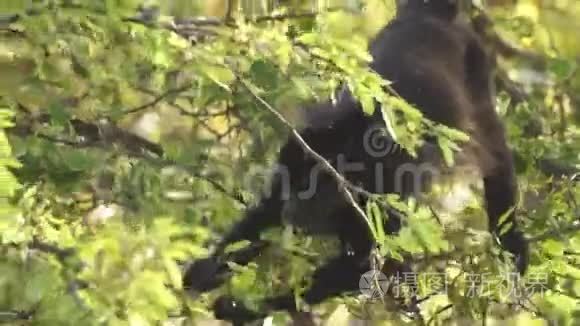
(60, 253)
(159, 98)
(15, 316)
(438, 312)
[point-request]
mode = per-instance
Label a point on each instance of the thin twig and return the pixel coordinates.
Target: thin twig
(438, 312)
(159, 98)
(236, 196)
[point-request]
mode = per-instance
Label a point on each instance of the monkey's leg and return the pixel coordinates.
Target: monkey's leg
(500, 195)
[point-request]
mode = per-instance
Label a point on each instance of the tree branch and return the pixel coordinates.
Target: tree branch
(91, 134)
(159, 98)
(556, 233)
(300, 15)
(438, 312)
(15, 316)
(555, 168)
(106, 134)
(60, 253)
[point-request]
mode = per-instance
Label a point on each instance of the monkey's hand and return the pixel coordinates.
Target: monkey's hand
(205, 274)
(210, 273)
(516, 243)
(229, 309)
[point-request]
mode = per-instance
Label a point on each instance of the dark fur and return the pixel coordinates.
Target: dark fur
(435, 64)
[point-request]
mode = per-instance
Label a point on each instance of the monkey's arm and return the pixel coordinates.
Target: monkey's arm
(257, 219)
(209, 273)
(294, 167)
(499, 179)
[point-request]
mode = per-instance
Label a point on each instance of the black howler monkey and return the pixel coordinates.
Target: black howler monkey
(435, 63)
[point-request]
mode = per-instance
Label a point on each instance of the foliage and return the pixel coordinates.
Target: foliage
(131, 137)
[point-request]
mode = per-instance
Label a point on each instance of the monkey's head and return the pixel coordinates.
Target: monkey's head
(447, 9)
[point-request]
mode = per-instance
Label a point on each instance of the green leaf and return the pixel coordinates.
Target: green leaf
(553, 248)
(173, 272)
(58, 114)
(308, 38)
(562, 68)
(78, 160)
(369, 213)
(505, 226)
(388, 119)
(220, 75)
(14, 6)
(236, 246)
(379, 222)
(447, 151)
